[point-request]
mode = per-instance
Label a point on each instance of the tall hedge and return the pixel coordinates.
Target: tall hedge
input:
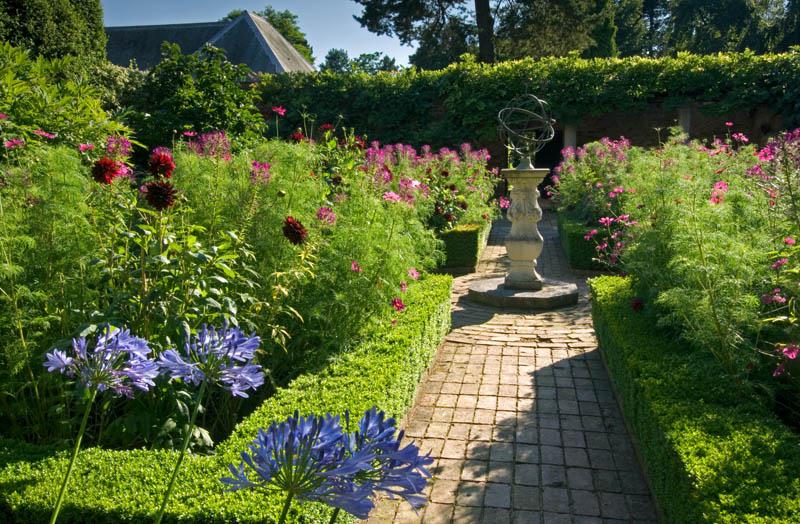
(459, 103)
(55, 28)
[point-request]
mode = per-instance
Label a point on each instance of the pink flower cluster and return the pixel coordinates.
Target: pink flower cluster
(259, 172)
(718, 192)
(214, 144)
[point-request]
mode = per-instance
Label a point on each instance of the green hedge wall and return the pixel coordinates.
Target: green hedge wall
(712, 451)
(126, 486)
(460, 103)
(463, 246)
(580, 253)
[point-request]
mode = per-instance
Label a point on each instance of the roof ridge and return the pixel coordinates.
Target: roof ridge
(151, 26)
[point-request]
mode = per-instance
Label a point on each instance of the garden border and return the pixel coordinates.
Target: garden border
(125, 486)
(580, 253)
(712, 451)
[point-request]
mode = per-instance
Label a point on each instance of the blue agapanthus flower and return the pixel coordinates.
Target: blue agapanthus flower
(315, 460)
(223, 357)
(116, 360)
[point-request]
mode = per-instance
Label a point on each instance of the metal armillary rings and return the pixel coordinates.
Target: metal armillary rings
(527, 125)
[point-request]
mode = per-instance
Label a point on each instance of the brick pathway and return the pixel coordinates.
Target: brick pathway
(519, 413)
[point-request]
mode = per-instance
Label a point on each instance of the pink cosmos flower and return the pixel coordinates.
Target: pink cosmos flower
(791, 351)
(413, 274)
(279, 110)
(789, 241)
(779, 263)
(355, 267)
(403, 286)
(326, 214)
(740, 137)
(13, 143)
(766, 154)
(773, 297)
(606, 221)
(721, 186)
(189, 133)
(44, 134)
(504, 203)
(729, 124)
(85, 147)
(3, 116)
(398, 305)
(391, 196)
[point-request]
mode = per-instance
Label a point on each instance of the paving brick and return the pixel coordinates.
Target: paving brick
(520, 415)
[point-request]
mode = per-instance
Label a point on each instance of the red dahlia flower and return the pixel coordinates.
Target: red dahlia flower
(160, 194)
(294, 231)
(161, 163)
(106, 169)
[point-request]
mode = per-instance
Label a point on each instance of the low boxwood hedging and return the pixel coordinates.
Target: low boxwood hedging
(579, 252)
(463, 246)
(126, 486)
(712, 451)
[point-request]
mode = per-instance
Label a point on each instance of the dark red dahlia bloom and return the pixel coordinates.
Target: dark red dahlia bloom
(160, 194)
(294, 231)
(298, 136)
(161, 163)
(637, 304)
(105, 170)
(326, 127)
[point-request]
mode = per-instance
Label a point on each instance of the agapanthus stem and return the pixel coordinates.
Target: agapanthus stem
(286, 504)
(334, 515)
(78, 440)
(186, 435)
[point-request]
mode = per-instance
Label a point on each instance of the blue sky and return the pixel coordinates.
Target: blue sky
(327, 23)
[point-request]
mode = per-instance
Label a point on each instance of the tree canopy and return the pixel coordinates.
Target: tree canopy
(443, 30)
(285, 22)
(55, 28)
(338, 61)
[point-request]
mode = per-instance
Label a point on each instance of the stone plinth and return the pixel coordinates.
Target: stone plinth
(524, 243)
(494, 292)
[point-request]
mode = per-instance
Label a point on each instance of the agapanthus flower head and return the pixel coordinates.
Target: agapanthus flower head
(118, 147)
(259, 172)
(160, 194)
(326, 215)
(216, 356)
(106, 169)
(161, 163)
(343, 470)
(115, 360)
(294, 231)
(44, 134)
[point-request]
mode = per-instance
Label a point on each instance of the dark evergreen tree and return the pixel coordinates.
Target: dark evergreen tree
(604, 31)
(631, 28)
(336, 61)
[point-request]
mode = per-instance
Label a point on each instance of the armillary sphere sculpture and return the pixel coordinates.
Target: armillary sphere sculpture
(527, 126)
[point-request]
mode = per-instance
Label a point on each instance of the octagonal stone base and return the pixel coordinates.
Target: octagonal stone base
(554, 293)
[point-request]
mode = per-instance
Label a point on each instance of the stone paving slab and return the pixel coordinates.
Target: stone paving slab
(518, 411)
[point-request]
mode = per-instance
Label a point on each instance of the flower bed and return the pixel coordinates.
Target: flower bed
(125, 486)
(463, 246)
(711, 448)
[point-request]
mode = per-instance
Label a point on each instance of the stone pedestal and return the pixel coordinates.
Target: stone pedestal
(524, 243)
(523, 287)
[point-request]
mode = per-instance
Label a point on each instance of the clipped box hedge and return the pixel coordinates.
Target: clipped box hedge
(463, 246)
(126, 486)
(580, 253)
(712, 451)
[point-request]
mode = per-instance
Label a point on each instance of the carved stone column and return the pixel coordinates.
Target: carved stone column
(524, 242)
